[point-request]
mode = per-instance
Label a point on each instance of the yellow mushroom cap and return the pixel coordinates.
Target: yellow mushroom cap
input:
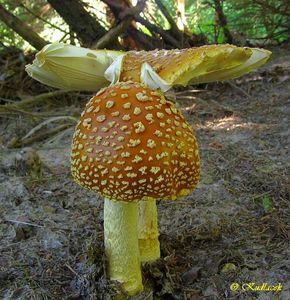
(192, 65)
(131, 143)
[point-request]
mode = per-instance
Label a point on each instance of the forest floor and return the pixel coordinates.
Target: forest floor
(233, 228)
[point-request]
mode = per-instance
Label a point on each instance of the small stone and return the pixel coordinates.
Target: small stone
(191, 275)
(228, 268)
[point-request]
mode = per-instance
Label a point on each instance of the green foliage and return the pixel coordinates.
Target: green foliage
(260, 19)
(41, 17)
(155, 14)
(8, 36)
(247, 19)
(252, 20)
(266, 203)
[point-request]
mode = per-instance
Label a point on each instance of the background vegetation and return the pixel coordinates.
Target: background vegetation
(144, 24)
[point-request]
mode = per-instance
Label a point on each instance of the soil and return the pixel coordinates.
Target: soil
(233, 228)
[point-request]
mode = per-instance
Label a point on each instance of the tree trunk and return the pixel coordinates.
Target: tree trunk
(86, 27)
(135, 39)
(223, 21)
(21, 28)
(121, 9)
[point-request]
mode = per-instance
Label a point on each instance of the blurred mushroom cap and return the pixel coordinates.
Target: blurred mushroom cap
(166, 68)
(69, 67)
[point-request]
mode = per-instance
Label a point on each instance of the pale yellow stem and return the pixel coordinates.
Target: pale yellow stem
(149, 246)
(121, 245)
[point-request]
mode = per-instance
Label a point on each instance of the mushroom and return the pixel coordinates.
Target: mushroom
(131, 145)
(70, 67)
(166, 68)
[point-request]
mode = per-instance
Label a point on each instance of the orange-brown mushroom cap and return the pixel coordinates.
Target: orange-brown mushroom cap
(173, 65)
(131, 143)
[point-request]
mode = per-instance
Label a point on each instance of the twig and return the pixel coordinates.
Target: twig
(126, 16)
(5, 108)
(46, 122)
(20, 27)
(39, 98)
(15, 107)
(239, 89)
(7, 100)
(44, 135)
(172, 23)
(25, 223)
(112, 34)
(9, 246)
(261, 195)
(16, 112)
(41, 136)
(71, 269)
(133, 11)
(189, 91)
(189, 108)
(127, 11)
(43, 20)
(167, 37)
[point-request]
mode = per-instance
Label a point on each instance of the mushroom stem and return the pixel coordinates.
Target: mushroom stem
(148, 230)
(121, 244)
